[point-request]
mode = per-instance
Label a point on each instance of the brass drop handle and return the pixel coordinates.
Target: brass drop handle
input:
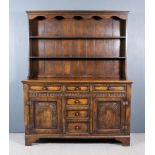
(77, 88)
(109, 88)
(44, 88)
(77, 101)
(77, 114)
(77, 127)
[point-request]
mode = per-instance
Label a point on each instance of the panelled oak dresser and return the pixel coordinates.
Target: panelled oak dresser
(77, 86)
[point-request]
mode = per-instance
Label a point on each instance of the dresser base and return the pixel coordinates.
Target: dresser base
(29, 139)
(89, 110)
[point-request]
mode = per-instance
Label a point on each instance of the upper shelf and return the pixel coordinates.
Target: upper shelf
(77, 25)
(75, 37)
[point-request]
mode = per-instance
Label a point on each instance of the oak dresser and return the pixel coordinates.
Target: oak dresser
(77, 86)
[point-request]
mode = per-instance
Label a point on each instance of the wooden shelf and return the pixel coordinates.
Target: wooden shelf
(97, 51)
(75, 37)
(72, 58)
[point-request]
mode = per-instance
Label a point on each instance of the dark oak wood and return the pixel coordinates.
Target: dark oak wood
(77, 85)
(73, 58)
(75, 37)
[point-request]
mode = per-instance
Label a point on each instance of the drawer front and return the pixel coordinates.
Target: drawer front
(77, 127)
(77, 101)
(77, 114)
(45, 88)
(109, 88)
(54, 88)
(77, 88)
(36, 88)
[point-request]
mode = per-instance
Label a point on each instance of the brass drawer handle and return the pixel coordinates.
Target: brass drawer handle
(77, 88)
(109, 88)
(77, 114)
(77, 127)
(45, 88)
(77, 101)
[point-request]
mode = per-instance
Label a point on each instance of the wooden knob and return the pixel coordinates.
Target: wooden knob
(77, 127)
(77, 101)
(77, 114)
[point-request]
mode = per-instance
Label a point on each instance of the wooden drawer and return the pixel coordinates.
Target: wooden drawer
(77, 101)
(77, 88)
(109, 88)
(77, 114)
(77, 127)
(45, 88)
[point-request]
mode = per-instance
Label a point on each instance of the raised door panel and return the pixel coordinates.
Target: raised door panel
(45, 116)
(108, 115)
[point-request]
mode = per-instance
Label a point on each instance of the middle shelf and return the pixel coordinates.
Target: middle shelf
(77, 37)
(106, 58)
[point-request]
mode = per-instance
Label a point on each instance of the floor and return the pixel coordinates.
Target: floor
(45, 147)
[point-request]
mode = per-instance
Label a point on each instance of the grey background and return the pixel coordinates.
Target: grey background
(19, 50)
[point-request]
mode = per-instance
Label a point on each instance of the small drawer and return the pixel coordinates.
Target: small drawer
(100, 88)
(45, 88)
(54, 88)
(77, 114)
(77, 88)
(36, 88)
(77, 127)
(116, 88)
(77, 101)
(108, 88)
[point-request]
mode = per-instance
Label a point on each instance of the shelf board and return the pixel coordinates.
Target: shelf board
(75, 37)
(36, 57)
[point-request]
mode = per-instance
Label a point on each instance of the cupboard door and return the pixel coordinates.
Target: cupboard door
(45, 116)
(109, 115)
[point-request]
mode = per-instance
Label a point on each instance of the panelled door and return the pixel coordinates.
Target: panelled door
(108, 115)
(45, 116)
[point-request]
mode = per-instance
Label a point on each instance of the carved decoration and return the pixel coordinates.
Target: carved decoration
(72, 94)
(50, 16)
